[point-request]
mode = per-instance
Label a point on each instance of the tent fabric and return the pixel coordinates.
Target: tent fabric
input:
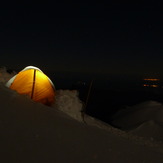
(33, 82)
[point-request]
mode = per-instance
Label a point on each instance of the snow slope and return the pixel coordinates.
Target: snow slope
(144, 119)
(32, 132)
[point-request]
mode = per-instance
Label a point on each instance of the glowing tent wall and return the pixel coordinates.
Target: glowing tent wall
(34, 83)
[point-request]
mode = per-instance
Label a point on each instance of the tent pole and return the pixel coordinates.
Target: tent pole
(33, 86)
(89, 91)
(86, 103)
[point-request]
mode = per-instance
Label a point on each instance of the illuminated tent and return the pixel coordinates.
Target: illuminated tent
(33, 82)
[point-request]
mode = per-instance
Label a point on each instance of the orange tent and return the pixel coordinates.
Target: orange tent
(33, 82)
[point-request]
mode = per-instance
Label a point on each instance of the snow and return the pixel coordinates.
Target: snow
(68, 102)
(144, 119)
(4, 76)
(32, 132)
(149, 129)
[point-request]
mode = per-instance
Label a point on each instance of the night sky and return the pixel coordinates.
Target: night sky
(106, 38)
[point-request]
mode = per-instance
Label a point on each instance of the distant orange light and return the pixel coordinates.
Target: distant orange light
(151, 79)
(149, 85)
(145, 85)
(154, 85)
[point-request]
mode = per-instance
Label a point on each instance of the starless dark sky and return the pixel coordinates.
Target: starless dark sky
(110, 38)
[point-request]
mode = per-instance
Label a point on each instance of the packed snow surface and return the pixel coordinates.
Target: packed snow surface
(144, 119)
(32, 132)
